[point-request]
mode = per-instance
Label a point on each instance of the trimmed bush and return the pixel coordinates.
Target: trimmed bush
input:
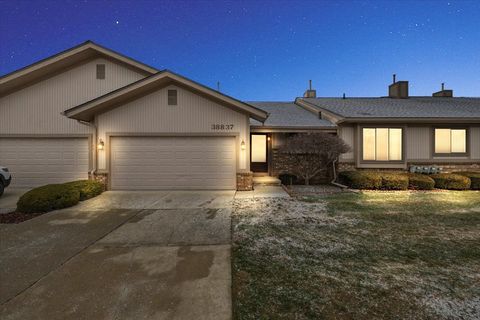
(451, 181)
(48, 198)
(474, 177)
(394, 181)
(361, 179)
(87, 188)
(417, 181)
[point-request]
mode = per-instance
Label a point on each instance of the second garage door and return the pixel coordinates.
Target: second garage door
(38, 161)
(149, 163)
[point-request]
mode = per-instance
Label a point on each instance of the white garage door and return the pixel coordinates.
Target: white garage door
(36, 162)
(142, 163)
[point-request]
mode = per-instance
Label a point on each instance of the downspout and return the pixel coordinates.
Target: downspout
(95, 135)
(335, 177)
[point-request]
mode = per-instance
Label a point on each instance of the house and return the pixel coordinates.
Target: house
(90, 112)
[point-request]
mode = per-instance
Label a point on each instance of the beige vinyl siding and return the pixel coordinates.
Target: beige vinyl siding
(193, 115)
(36, 109)
(418, 142)
(475, 143)
(347, 134)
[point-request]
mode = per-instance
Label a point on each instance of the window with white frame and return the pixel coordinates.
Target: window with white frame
(382, 144)
(450, 141)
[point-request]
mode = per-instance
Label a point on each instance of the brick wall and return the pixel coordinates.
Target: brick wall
(449, 167)
(281, 164)
(446, 167)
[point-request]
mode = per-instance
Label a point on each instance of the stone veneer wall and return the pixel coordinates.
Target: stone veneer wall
(101, 177)
(244, 181)
(280, 164)
(446, 167)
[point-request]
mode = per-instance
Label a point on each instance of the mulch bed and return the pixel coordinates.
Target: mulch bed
(17, 217)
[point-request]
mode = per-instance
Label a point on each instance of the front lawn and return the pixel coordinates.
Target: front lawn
(373, 255)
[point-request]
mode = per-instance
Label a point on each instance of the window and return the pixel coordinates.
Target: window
(172, 97)
(382, 144)
(448, 141)
(100, 71)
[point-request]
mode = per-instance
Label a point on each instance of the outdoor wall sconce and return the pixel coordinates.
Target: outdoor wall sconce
(242, 145)
(101, 145)
(268, 138)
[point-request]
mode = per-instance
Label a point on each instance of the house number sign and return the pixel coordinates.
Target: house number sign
(218, 126)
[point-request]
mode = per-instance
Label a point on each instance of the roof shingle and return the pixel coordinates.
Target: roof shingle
(413, 107)
(288, 114)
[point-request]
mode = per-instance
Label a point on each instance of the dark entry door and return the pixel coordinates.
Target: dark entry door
(259, 152)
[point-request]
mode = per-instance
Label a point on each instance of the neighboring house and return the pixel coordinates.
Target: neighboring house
(91, 112)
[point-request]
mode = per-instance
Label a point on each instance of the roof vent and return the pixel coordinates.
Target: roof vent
(310, 93)
(443, 92)
(398, 89)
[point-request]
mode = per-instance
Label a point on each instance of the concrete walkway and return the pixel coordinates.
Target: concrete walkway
(165, 255)
(262, 192)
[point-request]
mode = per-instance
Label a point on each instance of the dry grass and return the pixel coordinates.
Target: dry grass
(374, 255)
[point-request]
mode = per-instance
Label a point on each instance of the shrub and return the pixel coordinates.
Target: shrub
(87, 188)
(474, 177)
(451, 181)
(419, 181)
(361, 179)
(48, 198)
(394, 181)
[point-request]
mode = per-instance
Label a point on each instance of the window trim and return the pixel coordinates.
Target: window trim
(176, 97)
(360, 154)
(452, 154)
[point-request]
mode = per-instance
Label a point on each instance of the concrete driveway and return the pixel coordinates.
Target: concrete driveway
(122, 255)
(8, 201)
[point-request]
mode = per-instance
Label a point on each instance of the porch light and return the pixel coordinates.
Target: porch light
(242, 145)
(100, 145)
(268, 138)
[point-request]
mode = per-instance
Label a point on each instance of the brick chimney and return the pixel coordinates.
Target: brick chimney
(398, 89)
(443, 92)
(310, 93)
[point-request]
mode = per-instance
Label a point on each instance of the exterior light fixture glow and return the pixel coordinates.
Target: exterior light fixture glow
(242, 145)
(101, 145)
(268, 138)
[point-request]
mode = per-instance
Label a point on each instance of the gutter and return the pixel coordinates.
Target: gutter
(95, 135)
(335, 177)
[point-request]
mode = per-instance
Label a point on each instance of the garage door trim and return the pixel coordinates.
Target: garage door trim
(110, 135)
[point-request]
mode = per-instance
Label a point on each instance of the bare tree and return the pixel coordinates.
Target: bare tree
(310, 153)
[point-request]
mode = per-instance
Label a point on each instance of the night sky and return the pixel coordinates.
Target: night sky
(265, 50)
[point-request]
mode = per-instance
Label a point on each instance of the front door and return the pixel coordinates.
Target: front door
(259, 152)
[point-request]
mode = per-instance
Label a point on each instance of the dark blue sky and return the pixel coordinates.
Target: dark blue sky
(265, 50)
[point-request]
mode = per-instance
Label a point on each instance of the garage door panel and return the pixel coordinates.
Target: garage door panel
(35, 162)
(144, 163)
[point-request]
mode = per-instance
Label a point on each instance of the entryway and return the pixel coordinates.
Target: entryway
(260, 153)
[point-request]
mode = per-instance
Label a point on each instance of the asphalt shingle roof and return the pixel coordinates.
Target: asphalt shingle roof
(413, 107)
(288, 114)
